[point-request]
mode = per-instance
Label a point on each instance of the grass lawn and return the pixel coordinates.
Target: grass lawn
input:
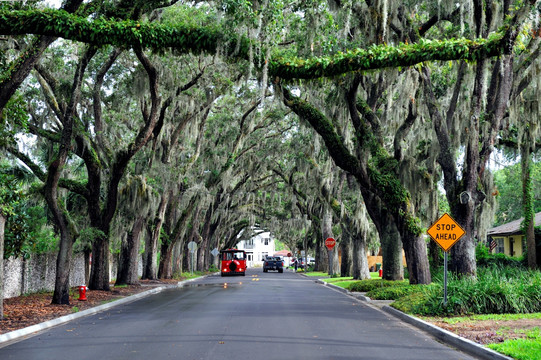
(528, 348)
(373, 275)
(314, 273)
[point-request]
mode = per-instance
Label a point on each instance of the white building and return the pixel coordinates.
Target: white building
(257, 248)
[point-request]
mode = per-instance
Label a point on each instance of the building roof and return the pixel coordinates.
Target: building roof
(282, 253)
(512, 227)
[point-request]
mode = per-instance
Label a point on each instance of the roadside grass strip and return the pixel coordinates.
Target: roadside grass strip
(338, 280)
(495, 317)
(521, 349)
(315, 273)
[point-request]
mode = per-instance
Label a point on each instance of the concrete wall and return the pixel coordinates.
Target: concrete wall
(37, 273)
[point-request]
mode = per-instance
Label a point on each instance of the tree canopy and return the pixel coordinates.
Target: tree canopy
(309, 119)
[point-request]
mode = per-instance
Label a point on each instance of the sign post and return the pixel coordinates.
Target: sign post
(329, 243)
(192, 246)
(214, 253)
(445, 232)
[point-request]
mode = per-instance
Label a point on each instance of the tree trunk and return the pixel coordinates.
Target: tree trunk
(177, 255)
(416, 259)
(151, 245)
(463, 252)
(326, 232)
(527, 203)
(185, 257)
(62, 278)
(317, 256)
(391, 250)
(165, 270)
(2, 229)
(87, 253)
(434, 251)
(360, 258)
(129, 255)
(346, 261)
(99, 272)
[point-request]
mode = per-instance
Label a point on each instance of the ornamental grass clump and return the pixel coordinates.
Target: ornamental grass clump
(496, 290)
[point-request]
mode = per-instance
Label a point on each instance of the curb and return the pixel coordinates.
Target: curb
(30, 330)
(446, 337)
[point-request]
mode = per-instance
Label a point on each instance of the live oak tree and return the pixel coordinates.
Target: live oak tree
(252, 36)
(476, 117)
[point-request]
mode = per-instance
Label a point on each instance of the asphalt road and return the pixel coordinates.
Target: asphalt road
(259, 316)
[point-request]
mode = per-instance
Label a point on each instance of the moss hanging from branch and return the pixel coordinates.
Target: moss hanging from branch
(382, 169)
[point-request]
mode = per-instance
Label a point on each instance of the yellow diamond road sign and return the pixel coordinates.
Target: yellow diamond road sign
(446, 232)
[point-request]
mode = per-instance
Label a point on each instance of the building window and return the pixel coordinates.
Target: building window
(500, 249)
(250, 257)
(266, 241)
(264, 255)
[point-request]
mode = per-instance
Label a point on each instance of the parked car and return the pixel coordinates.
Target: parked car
(273, 263)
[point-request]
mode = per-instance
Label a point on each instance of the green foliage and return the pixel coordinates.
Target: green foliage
(393, 292)
(13, 120)
(90, 233)
(41, 238)
(521, 349)
(11, 205)
(381, 56)
(279, 245)
(28, 233)
(183, 37)
(121, 33)
(213, 268)
(496, 290)
(507, 181)
(369, 285)
(486, 259)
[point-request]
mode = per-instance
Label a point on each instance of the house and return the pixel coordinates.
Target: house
(257, 247)
(510, 240)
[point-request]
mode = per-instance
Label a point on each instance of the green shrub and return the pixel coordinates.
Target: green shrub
(393, 292)
(371, 284)
(213, 268)
(487, 259)
(419, 302)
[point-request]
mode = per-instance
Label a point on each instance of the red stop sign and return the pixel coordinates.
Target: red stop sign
(329, 243)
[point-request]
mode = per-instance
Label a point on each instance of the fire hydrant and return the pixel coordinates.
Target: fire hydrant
(380, 272)
(82, 293)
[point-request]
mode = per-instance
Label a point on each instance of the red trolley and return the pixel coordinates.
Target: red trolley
(233, 262)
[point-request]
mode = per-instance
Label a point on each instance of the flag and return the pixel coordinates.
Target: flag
(492, 244)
